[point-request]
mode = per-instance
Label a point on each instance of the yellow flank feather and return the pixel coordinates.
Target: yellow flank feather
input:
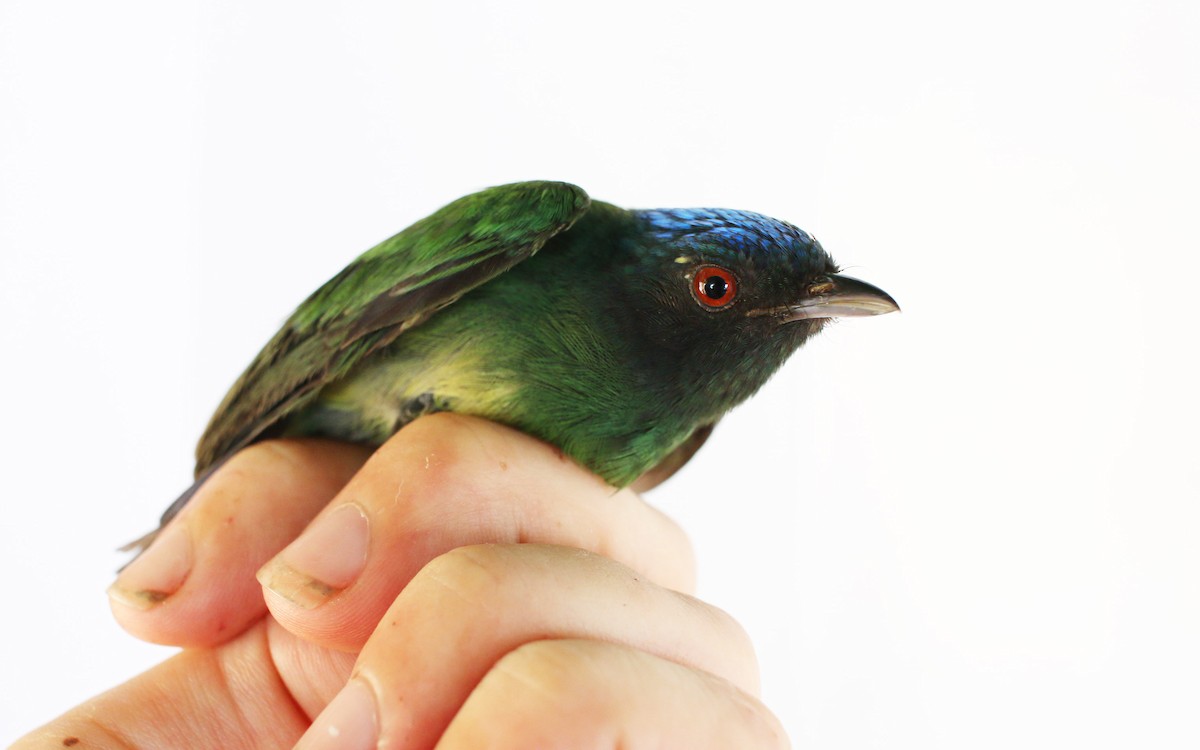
(385, 394)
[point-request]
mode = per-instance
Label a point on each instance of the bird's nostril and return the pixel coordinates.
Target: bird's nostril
(822, 285)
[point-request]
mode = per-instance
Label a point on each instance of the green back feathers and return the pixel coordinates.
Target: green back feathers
(492, 229)
(392, 287)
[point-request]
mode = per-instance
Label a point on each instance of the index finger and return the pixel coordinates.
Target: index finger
(443, 482)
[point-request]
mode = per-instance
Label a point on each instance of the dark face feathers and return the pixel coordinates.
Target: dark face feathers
(726, 296)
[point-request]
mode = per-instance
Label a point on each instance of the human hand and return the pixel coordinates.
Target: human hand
(608, 650)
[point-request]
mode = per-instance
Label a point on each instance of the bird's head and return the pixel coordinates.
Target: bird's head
(729, 295)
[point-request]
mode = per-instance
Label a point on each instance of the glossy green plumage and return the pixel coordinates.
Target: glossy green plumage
(537, 348)
(390, 288)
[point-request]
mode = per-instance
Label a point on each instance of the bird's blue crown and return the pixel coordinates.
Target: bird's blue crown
(750, 234)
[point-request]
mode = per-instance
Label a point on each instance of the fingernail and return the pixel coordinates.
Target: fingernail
(159, 572)
(348, 723)
(327, 558)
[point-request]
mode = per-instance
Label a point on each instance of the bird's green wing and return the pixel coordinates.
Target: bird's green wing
(392, 287)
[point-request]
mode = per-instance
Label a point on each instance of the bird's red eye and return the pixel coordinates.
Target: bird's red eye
(714, 287)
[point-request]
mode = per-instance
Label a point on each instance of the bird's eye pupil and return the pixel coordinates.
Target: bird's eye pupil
(715, 287)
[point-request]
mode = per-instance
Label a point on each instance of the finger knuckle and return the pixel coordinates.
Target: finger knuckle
(545, 667)
(269, 457)
(469, 572)
(541, 692)
(432, 456)
(756, 722)
(737, 648)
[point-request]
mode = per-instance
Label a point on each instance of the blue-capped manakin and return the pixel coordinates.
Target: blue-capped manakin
(620, 336)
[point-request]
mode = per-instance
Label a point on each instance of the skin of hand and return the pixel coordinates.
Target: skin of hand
(465, 586)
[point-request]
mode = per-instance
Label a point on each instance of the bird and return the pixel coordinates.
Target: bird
(619, 336)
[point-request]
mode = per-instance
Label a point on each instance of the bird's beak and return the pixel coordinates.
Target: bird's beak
(834, 296)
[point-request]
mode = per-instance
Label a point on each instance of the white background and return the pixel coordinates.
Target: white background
(970, 525)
